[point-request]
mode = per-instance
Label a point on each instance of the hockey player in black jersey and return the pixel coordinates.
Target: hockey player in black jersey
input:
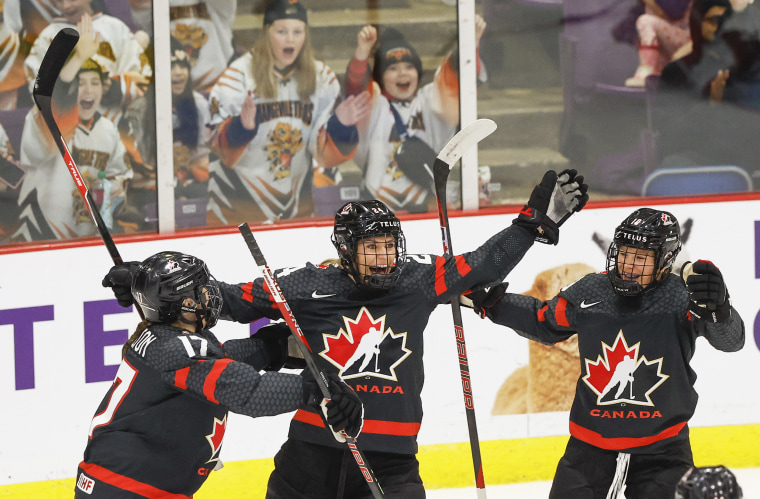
(637, 324)
(158, 431)
(364, 321)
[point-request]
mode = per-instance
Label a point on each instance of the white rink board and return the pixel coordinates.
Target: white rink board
(44, 428)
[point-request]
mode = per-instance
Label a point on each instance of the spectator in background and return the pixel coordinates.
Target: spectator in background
(50, 205)
(10, 176)
(191, 136)
(408, 123)
(705, 95)
(741, 32)
(205, 31)
(663, 29)
(274, 115)
(704, 71)
(204, 28)
(11, 79)
(119, 53)
(22, 22)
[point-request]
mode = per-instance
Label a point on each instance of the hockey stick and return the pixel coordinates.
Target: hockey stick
(54, 60)
(449, 155)
(303, 346)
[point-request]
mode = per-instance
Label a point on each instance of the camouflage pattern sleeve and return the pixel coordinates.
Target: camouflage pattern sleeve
(725, 336)
(488, 264)
(195, 363)
(247, 302)
(545, 322)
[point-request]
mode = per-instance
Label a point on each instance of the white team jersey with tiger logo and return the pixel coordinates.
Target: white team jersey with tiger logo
(379, 142)
(62, 208)
(276, 162)
(204, 28)
(119, 52)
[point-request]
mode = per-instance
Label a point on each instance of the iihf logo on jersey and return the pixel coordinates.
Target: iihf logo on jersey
(365, 348)
(620, 375)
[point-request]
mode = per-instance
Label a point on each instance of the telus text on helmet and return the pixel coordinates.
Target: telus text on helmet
(631, 237)
(381, 224)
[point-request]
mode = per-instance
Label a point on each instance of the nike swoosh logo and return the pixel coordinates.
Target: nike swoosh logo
(587, 305)
(316, 294)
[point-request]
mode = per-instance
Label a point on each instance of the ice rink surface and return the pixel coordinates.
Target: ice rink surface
(748, 478)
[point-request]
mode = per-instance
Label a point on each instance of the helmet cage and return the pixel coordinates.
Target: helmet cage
(645, 229)
(163, 281)
(357, 221)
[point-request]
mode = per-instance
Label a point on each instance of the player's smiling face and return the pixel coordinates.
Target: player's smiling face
(400, 80)
(89, 94)
(286, 37)
(636, 264)
(376, 255)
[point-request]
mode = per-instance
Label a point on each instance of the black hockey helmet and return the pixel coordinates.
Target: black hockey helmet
(358, 220)
(709, 482)
(163, 281)
(645, 229)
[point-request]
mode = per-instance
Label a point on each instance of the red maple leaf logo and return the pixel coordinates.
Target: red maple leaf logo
(618, 368)
(340, 347)
(356, 350)
(216, 437)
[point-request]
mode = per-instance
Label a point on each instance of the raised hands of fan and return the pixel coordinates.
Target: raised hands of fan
(551, 203)
(707, 291)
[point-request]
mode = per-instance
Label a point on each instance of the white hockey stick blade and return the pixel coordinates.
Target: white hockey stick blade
(464, 139)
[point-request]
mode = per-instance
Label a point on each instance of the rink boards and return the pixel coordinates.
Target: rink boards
(60, 334)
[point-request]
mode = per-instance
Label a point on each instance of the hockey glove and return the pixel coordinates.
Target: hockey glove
(483, 299)
(343, 412)
(707, 291)
(119, 279)
(276, 337)
(551, 203)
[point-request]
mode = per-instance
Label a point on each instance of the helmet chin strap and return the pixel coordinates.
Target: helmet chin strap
(197, 312)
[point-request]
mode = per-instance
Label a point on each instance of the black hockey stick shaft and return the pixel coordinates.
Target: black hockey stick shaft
(52, 64)
(463, 140)
(303, 346)
(54, 60)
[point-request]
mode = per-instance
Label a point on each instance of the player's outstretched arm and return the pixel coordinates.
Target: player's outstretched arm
(710, 306)
(268, 349)
(551, 203)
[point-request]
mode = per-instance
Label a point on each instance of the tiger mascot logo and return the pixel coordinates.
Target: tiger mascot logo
(285, 142)
(192, 39)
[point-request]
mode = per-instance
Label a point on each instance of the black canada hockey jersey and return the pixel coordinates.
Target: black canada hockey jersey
(372, 338)
(159, 429)
(636, 388)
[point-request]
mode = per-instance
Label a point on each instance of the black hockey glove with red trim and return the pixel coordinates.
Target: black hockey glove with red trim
(344, 411)
(119, 279)
(483, 299)
(276, 337)
(551, 203)
(707, 291)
